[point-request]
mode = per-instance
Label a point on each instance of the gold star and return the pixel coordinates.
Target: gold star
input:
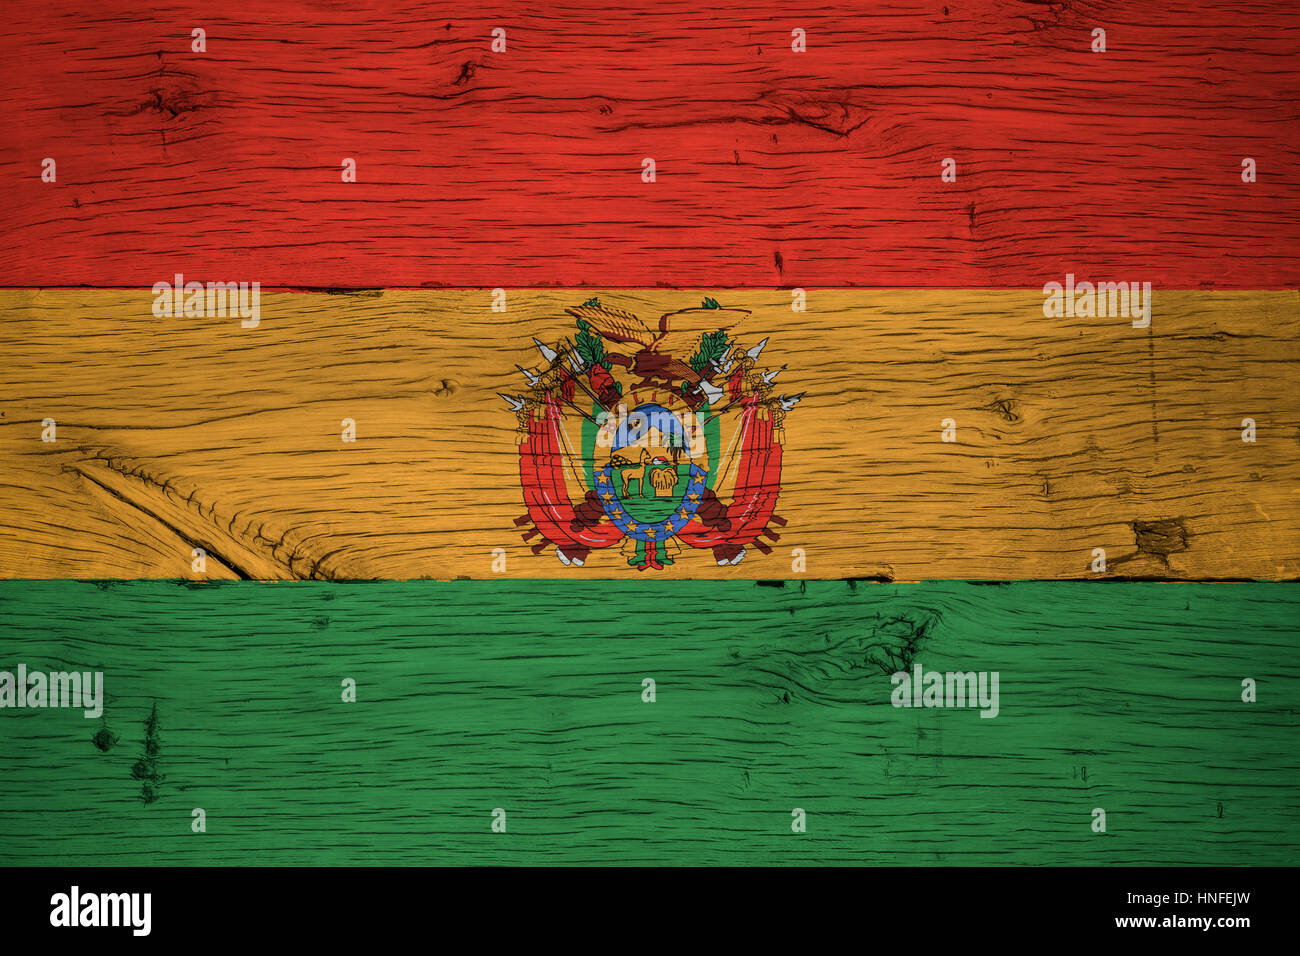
(650, 533)
(618, 513)
(683, 514)
(631, 526)
(693, 497)
(602, 480)
(607, 496)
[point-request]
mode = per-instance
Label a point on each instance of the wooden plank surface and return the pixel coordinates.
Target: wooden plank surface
(1072, 434)
(527, 696)
(774, 168)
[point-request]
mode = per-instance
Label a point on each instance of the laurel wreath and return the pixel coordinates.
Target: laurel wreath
(713, 345)
(590, 345)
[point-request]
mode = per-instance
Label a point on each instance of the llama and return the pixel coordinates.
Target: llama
(637, 473)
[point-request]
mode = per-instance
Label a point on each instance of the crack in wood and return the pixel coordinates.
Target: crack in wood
(182, 515)
(1161, 538)
(840, 116)
(822, 668)
(1005, 409)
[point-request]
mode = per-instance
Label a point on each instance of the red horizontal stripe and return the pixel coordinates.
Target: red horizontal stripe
(773, 168)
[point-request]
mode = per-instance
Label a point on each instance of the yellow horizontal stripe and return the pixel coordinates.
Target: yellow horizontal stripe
(1072, 434)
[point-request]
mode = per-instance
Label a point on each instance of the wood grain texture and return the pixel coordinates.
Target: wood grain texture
(1073, 434)
(527, 696)
(774, 168)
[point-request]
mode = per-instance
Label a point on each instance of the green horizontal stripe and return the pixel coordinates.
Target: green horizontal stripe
(527, 696)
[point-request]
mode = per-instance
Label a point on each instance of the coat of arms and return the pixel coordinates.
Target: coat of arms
(651, 439)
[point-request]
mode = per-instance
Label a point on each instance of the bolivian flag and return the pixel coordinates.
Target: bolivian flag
(623, 453)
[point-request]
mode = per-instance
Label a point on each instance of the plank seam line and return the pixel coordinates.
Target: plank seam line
(373, 292)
